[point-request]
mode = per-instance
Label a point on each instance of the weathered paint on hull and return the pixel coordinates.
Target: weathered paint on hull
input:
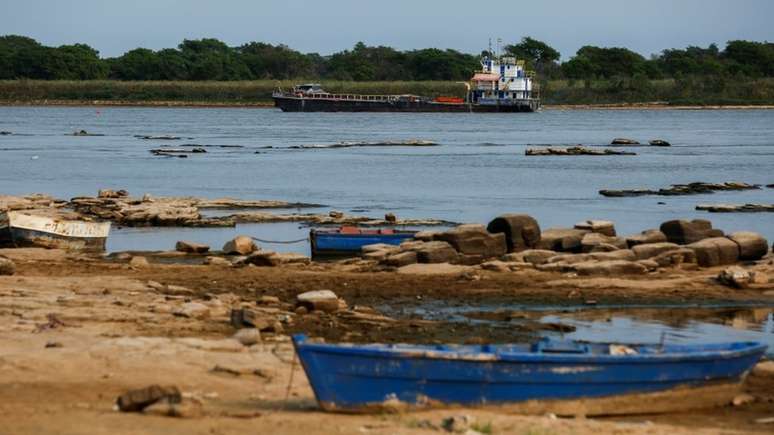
(30, 238)
(320, 105)
(356, 378)
(336, 244)
(27, 229)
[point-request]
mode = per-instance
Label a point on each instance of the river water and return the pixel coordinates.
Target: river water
(478, 171)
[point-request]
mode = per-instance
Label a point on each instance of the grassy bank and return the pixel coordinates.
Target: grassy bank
(691, 91)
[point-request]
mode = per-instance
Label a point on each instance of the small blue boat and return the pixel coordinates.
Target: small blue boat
(358, 378)
(348, 240)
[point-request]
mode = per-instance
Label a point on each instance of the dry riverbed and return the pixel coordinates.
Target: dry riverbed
(77, 331)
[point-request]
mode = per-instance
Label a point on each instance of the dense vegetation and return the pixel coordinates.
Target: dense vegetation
(210, 70)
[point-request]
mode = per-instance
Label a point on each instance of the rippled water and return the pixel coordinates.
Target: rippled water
(700, 323)
(478, 172)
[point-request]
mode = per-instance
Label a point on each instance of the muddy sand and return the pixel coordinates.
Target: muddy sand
(77, 331)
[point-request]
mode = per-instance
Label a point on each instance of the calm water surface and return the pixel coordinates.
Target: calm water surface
(478, 172)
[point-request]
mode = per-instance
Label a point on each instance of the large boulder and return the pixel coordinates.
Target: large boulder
(685, 232)
(521, 231)
(7, 267)
(675, 257)
(647, 236)
(562, 239)
(591, 241)
(611, 267)
(319, 300)
(597, 226)
(533, 256)
(715, 251)
(752, 246)
(623, 141)
(436, 252)
(191, 247)
(649, 250)
(240, 245)
(475, 240)
(401, 259)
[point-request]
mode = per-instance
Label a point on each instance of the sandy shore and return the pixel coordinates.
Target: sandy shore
(269, 104)
(77, 331)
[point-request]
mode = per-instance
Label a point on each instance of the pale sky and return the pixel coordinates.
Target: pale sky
(327, 26)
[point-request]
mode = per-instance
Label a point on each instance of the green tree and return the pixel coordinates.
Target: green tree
(137, 64)
(210, 59)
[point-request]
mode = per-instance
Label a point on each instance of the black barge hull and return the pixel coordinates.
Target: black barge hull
(291, 104)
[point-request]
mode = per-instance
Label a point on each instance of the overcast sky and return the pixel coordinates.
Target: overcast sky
(326, 26)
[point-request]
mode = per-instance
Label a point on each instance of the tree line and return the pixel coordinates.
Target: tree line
(210, 59)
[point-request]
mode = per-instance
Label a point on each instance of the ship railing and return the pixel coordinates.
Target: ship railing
(346, 97)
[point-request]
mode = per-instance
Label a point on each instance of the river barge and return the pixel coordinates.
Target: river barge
(502, 85)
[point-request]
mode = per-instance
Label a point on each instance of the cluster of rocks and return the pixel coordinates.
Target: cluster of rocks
(575, 151)
(7, 267)
(653, 142)
(125, 210)
(681, 189)
(736, 208)
(177, 152)
(516, 242)
(241, 251)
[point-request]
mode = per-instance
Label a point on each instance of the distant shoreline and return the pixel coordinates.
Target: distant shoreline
(269, 104)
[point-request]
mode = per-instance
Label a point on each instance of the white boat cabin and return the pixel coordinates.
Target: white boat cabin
(501, 81)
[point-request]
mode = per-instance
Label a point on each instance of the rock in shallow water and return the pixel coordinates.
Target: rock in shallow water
(241, 245)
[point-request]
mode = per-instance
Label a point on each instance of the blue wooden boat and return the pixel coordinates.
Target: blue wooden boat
(348, 240)
(357, 378)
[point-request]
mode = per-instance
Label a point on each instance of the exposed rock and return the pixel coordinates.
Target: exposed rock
(458, 423)
(592, 240)
(176, 290)
(645, 237)
(436, 252)
(217, 261)
(191, 247)
(752, 246)
(649, 250)
(575, 151)
(623, 141)
(241, 245)
(108, 193)
(682, 189)
(621, 254)
(496, 266)
(320, 300)
(376, 247)
(612, 267)
(742, 399)
(426, 236)
(659, 143)
(473, 239)
(256, 318)
(192, 310)
(521, 231)
(139, 262)
(651, 265)
(675, 257)
(736, 276)
(248, 336)
(562, 239)
(7, 267)
(715, 251)
(268, 300)
(263, 258)
(606, 228)
(336, 214)
(391, 218)
(137, 400)
(684, 232)
(401, 259)
(764, 369)
(293, 258)
(433, 269)
(604, 247)
(736, 208)
(533, 256)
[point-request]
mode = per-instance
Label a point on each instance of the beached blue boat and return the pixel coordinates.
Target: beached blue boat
(347, 377)
(349, 240)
